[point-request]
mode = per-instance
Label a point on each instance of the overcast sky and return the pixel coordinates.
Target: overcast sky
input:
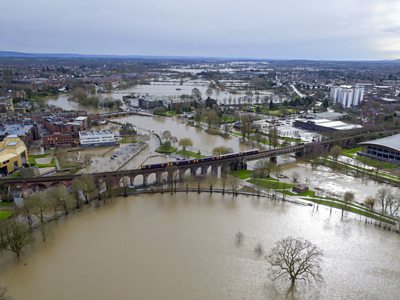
(311, 29)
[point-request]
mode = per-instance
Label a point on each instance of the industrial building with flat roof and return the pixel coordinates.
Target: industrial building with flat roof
(321, 125)
(97, 138)
(385, 149)
(13, 154)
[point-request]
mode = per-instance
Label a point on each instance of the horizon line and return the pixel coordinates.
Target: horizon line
(91, 55)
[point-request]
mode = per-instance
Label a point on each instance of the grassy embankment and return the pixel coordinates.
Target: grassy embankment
(32, 161)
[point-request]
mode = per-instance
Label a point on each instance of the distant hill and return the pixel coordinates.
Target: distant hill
(14, 54)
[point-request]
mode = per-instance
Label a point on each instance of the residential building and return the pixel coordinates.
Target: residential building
(63, 125)
(6, 107)
(13, 154)
(347, 95)
(58, 139)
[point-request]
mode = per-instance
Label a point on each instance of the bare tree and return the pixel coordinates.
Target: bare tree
(296, 259)
(335, 152)
(246, 126)
(125, 185)
(369, 202)
(233, 182)
(273, 136)
(239, 237)
(174, 140)
(224, 182)
(85, 184)
(220, 150)
(211, 179)
(98, 184)
(61, 198)
(263, 168)
(295, 177)
(394, 203)
(185, 142)
(187, 180)
(40, 204)
(166, 135)
(26, 212)
(348, 197)
(198, 180)
(15, 236)
(383, 196)
(259, 249)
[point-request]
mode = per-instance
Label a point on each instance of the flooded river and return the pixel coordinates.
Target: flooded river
(183, 247)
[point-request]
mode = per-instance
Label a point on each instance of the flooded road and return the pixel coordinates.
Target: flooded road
(183, 247)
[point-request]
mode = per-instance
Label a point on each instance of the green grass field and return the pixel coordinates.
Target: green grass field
(4, 214)
(271, 184)
(242, 174)
(166, 150)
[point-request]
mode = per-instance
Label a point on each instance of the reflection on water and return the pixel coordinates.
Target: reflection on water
(183, 247)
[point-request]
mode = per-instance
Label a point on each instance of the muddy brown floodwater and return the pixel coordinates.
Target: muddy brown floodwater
(182, 246)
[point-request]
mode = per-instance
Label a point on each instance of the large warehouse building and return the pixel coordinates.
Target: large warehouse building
(321, 125)
(386, 149)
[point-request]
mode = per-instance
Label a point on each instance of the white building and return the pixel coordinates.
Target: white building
(96, 138)
(347, 95)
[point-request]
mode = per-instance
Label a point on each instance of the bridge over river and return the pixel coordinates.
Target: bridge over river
(162, 172)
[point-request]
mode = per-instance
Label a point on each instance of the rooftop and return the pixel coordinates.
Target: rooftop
(392, 142)
(81, 118)
(338, 125)
(15, 129)
(94, 133)
(10, 147)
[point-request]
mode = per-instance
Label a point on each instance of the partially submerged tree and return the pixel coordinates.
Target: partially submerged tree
(14, 236)
(40, 204)
(166, 136)
(335, 152)
(224, 182)
(233, 182)
(296, 259)
(295, 177)
(185, 142)
(221, 150)
(84, 184)
(211, 180)
(369, 202)
(61, 199)
(348, 197)
(246, 126)
(389, 201)
(263, 168)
